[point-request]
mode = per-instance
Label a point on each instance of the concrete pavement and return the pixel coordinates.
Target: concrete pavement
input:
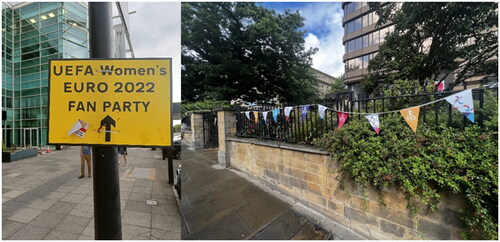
(42, 198)
(218, 203)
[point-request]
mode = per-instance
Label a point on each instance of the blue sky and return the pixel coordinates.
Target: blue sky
(323, 23)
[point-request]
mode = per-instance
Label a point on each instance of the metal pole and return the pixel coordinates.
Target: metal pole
(170, 154)
(107, 215)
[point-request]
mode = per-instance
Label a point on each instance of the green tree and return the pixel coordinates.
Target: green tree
(338, 85)
(434, 40)
(242, 50)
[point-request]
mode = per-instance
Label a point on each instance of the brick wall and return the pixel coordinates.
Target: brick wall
(309, 176)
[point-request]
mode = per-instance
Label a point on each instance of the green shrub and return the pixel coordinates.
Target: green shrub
(434, 159)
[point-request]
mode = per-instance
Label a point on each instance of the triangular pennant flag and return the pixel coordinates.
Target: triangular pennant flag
(462, 101)
(342, 118)
(304, 111)
(275, 114)
(287, 112)
(374, 122)
(247, 113)
(264, 114)
(256, 115)
(411, 117)
(321, 111)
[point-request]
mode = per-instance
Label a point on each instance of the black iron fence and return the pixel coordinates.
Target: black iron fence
(210, 130)
(296, 129)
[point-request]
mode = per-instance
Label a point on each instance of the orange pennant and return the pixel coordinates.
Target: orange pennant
(411, 117)
(256, 115)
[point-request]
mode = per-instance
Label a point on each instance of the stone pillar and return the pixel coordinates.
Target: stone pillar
(226, 123)
(196, 130)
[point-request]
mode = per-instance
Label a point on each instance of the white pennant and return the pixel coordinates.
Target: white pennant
(264, 114)
(321, 110)
(287, 111)
(247, 113)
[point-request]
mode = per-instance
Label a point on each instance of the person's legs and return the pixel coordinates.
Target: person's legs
(125, 159)
(82, 167)
(89, 164)
(119, 157)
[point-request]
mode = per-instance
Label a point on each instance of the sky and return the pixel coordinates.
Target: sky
(155, 31)
(323, 26)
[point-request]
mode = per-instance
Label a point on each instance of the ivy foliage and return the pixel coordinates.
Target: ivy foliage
(434, 160)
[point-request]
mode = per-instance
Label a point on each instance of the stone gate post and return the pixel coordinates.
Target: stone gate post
(226, 122)
(196, 130)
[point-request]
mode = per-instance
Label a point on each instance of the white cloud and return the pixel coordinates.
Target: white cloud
(155, 30)
(325, 19)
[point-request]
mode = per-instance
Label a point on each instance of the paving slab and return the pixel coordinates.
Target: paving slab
(283, 228)
(311, 232)
(44, 199)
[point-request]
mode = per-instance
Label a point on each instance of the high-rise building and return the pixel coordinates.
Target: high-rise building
(32, 34)
(361, 40)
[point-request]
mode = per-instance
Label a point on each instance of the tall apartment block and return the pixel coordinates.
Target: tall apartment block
(361, 41)
(32, 34)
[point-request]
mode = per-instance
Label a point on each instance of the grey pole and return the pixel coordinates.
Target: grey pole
(107, 214)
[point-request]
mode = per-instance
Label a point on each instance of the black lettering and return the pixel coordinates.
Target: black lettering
(76, 87)
(89, 71)
(79, 69)
(126, 106)
(129, 87)
(146, 104)
(90, 87)
(119, 88)
(69, 70)
(136, 105)
(130, 71)
(60, 70)
(102, 87)
(141, 87)
(91, 106)
(71, 105)
(151, 87)
(141, 71)
(151, 71)
(163, 71)
(106, 105)
(118, 71)
(80, 107)
(116, 107)
(107, 70)
(67, 87)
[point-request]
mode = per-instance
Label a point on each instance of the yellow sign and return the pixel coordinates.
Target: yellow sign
(411, 117)
(110, 102)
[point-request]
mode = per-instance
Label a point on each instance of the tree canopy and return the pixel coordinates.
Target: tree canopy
(432, 40)
(244, 51)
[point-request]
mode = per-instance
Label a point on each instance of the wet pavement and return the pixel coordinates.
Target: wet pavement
(42, 198)
(218, 204)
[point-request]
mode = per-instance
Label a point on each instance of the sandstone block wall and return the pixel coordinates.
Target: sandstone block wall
(309, 176)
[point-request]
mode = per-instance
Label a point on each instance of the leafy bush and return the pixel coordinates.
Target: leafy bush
(426, 163)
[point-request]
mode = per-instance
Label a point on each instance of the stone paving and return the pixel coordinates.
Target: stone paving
(42, 198)
(219, 204)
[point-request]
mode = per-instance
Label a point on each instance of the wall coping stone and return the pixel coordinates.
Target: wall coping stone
(224, 109)
(279, 144)
(199, 112)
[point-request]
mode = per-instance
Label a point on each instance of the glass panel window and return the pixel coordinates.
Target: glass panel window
(383, 33)
(365, 20)
(365, 41)
(376, 37)
(365, 61)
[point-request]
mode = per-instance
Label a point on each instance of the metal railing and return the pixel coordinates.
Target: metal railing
(295, 129)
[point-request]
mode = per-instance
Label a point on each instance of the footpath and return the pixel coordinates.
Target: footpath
(220, 204)
(42, 198)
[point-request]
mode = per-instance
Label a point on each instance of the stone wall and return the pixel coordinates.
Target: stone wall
(309, 176)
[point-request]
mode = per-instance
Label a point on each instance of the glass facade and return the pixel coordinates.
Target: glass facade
(32, 35)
